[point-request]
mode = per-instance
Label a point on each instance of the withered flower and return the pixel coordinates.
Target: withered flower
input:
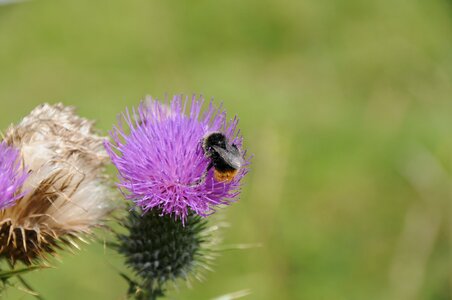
(67, 193)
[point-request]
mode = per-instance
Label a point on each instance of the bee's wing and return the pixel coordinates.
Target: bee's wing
(231, 156)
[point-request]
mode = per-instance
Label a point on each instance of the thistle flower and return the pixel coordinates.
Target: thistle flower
(12, 176)
(161, 162)
(160, 249)
(67, 194)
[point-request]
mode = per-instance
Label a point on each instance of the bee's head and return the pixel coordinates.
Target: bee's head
(215, 139)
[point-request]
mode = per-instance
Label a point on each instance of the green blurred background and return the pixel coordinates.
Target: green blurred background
(346, 106)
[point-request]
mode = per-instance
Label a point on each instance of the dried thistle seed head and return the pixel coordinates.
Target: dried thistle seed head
(160, 249)
(67, 193)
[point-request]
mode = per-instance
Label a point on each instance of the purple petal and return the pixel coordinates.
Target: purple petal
(12, 176)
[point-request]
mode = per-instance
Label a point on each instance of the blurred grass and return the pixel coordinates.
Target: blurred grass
(336, 99)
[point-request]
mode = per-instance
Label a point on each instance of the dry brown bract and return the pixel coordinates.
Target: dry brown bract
(67, 193)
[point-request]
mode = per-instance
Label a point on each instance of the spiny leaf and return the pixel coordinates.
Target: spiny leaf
(10, 273)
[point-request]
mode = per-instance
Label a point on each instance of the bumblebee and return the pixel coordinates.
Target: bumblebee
(225, 158)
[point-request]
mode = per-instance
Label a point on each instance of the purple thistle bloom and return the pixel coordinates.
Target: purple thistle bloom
(12, 176)
(160, 158)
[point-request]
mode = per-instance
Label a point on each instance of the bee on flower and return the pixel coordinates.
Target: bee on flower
(164, 162)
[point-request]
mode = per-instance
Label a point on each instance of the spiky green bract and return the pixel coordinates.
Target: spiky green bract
(160, 249)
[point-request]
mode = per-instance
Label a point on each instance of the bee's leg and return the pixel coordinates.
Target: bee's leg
(203, 178)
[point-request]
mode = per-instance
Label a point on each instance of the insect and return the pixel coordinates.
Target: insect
(225, 158)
